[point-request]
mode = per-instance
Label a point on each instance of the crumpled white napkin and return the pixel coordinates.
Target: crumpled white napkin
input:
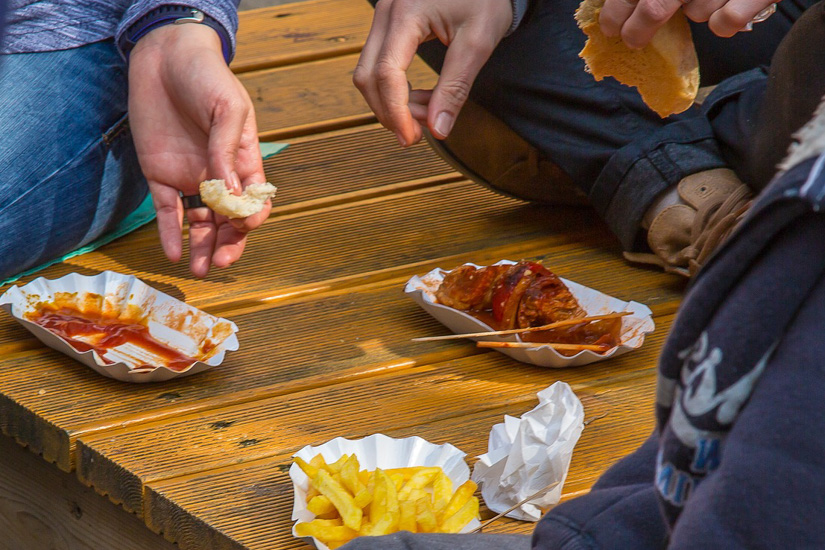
(528, 453)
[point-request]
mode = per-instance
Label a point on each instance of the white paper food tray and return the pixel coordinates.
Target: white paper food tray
(634, 327)
(377, 451)
(169, 321)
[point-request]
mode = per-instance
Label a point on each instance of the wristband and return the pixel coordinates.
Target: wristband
(172, 15)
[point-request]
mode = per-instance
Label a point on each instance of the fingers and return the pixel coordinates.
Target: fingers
(229, 246)
(419, 103)
(250, 170)
(735, 16)
(700, 11)
(233, 154)
(469, 28)
(468, 52)
(170, 219)
(362, 77)
(229, 115)
(249, 164)
(202, 238)
(614, 14)
(212, 241)
(646, 19)
(637, 22)
(380, 74)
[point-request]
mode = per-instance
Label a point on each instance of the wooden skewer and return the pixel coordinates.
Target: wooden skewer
(557, 324)
(563, 347)
(535, 495)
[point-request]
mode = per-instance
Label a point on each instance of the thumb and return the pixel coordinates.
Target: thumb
(226, 128)
(467, 53)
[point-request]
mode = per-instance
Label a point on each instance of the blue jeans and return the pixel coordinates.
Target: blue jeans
(68, 167)
(600, 133)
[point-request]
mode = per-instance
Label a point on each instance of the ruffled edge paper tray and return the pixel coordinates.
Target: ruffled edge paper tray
(377, 451)
(170, 321)
(634, 327)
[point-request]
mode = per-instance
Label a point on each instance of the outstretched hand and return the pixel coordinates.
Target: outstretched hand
(471, 29)
(192, 120)
(636, 21)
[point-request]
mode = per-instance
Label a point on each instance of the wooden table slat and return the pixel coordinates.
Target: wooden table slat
(373, 239)
(118, 461)
(377, 322)
(325, 329)
(38, 502)
(334, 167)
(297, 33)
(264, 492)
(315, 97)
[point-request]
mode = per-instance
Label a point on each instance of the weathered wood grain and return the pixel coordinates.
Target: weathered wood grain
(324, 325)
(361, 330)
(300, 32)
(41, 408)
(117, 462)
(257, 514)
(331, 168)
(315, 97)
(44, 508)
(368, 240)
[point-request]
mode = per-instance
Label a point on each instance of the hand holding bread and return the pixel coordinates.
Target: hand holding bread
(648, 43)
(192, 119)
(638, 21)
(665, 71)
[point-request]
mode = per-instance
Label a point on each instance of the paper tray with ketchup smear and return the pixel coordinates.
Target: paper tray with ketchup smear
(634, 326)
(181, 330)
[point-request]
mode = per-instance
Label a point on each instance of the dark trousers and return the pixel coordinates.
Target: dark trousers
(614, 147)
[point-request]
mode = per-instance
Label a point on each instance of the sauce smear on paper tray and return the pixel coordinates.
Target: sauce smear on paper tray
(85, 331)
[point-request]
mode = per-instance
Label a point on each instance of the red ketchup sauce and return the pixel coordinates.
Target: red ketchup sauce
(69, 324)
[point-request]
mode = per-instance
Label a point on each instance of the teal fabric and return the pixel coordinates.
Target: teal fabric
(270, 149)
(142, 215)
(138, 218)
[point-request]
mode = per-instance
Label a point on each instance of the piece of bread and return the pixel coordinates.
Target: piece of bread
(217, 197)
(666, 71)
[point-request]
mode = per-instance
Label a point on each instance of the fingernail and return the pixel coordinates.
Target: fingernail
(444, 123)
(401, 140)
(235, 182)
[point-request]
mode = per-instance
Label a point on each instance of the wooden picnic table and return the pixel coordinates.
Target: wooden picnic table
(325, 329)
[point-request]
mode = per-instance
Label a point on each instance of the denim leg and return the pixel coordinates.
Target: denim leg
(68, 167)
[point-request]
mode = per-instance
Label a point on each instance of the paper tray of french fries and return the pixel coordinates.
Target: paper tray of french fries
(379, 485)
(634, 320)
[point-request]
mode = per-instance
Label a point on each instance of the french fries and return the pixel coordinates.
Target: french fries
(349, 502)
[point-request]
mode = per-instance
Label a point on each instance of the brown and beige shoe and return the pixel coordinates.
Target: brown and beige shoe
(487, 151)
(683, 236)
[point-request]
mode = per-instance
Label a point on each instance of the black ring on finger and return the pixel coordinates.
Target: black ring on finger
(192, 201)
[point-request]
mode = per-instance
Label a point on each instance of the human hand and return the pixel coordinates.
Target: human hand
(636, 21)
(471, 29)
(192, 120)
